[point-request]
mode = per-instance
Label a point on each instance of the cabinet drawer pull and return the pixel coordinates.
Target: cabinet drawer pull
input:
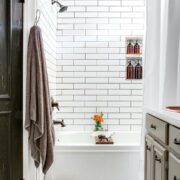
(153, 126)
(176, 142)
(157, 159)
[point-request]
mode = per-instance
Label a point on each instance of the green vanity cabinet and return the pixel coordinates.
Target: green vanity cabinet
(162, 150)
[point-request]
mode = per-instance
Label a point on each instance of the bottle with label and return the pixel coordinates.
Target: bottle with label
(137, 48)
(138, 71)
(130, 71)
(130, 48)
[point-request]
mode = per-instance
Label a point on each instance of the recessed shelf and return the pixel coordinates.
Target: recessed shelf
(134, 69)
(134, 56)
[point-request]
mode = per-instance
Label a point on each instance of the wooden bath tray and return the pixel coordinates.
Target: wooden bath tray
(104, 141)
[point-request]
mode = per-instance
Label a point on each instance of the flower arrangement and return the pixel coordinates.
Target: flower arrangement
(98, 118)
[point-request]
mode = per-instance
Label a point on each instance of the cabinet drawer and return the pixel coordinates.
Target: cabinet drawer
(174, 167)
(157, 127)
(174, 139)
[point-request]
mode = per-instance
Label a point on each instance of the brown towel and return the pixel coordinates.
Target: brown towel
(38, 106)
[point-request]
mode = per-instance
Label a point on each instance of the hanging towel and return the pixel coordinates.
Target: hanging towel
(38, 104)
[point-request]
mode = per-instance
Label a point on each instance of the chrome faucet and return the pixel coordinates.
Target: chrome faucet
(59, 122)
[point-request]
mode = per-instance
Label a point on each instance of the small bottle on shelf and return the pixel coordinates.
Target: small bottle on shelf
(130, 48)
(138, 71)
(137, 48)
(129, 71)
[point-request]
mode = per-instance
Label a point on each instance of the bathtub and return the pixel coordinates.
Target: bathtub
(77, 157)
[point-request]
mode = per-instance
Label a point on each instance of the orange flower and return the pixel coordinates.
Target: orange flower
(98, 118)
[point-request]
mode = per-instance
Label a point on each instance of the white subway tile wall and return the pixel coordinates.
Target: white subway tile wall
(91, 63)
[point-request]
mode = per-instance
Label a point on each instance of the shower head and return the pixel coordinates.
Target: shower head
(62, 7)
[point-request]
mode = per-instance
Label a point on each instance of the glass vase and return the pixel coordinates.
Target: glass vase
(98, 126)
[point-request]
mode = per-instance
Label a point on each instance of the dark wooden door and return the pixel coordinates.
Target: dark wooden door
(11, 48)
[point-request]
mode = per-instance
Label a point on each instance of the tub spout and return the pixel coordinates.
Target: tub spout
(59, 122)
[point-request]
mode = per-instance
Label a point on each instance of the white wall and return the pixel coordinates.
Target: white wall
(153, 48)
(162, 85)
(171, 89)
(91, 63)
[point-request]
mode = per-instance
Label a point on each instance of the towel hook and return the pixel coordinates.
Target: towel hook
(38, 15)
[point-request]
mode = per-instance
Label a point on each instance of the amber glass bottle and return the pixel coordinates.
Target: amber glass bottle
(136, 48)
(130, 71)
(130, 48)
(138, 71)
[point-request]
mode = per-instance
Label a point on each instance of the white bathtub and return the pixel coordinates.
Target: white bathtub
(77, 157)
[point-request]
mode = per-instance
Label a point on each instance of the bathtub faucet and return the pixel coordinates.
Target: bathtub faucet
(59, 122)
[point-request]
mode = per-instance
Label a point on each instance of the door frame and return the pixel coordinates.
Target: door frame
(29, 170)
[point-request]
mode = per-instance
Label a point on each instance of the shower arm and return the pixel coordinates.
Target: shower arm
(54, 1)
